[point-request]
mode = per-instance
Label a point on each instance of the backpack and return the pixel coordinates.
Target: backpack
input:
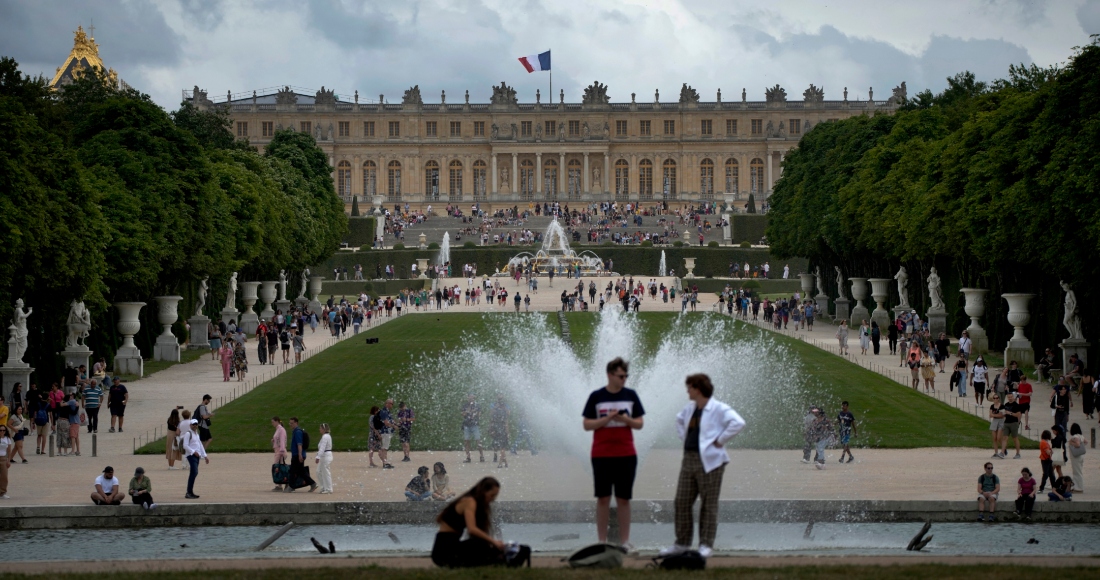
(689, 560)
(305, 440)
(600, 556)
(204, 423)
(41, 417)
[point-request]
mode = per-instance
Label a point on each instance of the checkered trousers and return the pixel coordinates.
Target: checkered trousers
(693, 483)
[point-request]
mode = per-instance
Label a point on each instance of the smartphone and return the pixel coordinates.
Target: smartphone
(622, 412)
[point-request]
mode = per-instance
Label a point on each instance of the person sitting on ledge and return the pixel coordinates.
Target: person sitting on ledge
(107, 490)
(470, 512)
(1061, 491)
(419, 487)
(141, 489)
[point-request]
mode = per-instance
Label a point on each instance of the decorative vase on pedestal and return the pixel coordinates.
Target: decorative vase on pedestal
(249, 319)
(807, 285)
(1019, 348)
(315, 292)
(128, 357)
(686, 236)
(422, 267)
(880, 290)
(859, 292)
(423, 239)
(267, 295)
(975, 308)
(689, 265)
(167, 347)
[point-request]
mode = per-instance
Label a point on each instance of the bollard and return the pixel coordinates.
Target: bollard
(94, 444)
(1093, 430)
(51, 444)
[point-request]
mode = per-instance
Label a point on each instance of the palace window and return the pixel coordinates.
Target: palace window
(551, 128)
(431, 180)
(668, 179)
(344, 127)
(431, 129)
(393, 179)
(733, 175)
(756, 176)
(620, 128)
(643, 128)
(242, 128)
(268, 128)
(456, 128)
(706, 178)
(622, 179)
(645, 179)
(525, 128)
(306, 127)
(455, 183)
(795, 126)
(574, 128)
(526, 179)
(550, 178)
(706, 127)
(731, 127)
(574, 179)
(343, 180)
(368, 128)
(670, 127)
(395, 128)
(479, 128)
(370, 179)
(480, 175)
(758, 126)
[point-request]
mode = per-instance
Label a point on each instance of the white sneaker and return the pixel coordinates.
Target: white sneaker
(628, 548)
(152, 506)
(805, 461)
(5, 496)
(673, 550)
(705, 551)
(819, 465)
(145, 504)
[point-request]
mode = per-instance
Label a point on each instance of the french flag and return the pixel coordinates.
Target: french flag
(536, 62)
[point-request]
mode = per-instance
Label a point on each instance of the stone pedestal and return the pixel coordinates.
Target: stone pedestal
(76, 356)
(128, 358)
(422, 267)
(229, 315)
(822, 301)
(315, 291)
(727, 230)
(975, 308)
(199, 338)
(167, 346)
(301, 302)
(283, 306)
(16, 373)
(937, 322)
(1077, 346)
(689, 265)
(842, 312)
(249, 319)
(1019, 348)
(880, 290)
(267, 295)
(859, 292)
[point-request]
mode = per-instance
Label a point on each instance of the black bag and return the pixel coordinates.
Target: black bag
(600, 556)
(517, 557)
(280, 473)
(689, 560)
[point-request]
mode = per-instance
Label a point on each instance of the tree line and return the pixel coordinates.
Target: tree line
(107, 197)
(995, 184)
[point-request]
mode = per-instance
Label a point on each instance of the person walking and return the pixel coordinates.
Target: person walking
(864, 337)
(385, 417)
(299, 343)
(979, 374)
(172, 451)
(499, 417)
(705, 425)
(194, 451)
(7, 450)
(278, 445)
(1075, 447)
(203, 414)
(876, 336)
(141, 490)
(225, 355)
(821, 431)
(117, 398)
(471, 427)
(842, 337)
(612, 413)
(324, 458)
(405, 418)
(846, 421)
(299, 445)
(93, 398)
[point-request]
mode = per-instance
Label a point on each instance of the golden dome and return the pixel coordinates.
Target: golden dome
(83, 56)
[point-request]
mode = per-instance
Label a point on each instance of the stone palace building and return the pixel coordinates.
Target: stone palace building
(506, 152)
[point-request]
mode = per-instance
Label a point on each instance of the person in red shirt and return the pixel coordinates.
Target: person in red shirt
(1023, 398)
(612, 413)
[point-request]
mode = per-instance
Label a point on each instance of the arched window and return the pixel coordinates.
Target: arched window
(756, 176)
(706, 178)
(343, 180)
(455, 183)
(550, 178)
(733, 176)
(431, 180)
(370, 179)
(645, 179)
(526, 179)
(480, 173)
(668, 179)
(393, 180)
(574, 181)
(622, 179)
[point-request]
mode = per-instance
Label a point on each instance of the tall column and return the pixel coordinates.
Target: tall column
(768, 183)
(743, 175)
(634, 185)
(494, 162)
(607, 182)
(515, 172)
(538, 174)
(444, 177)
(561, 174)
(586, 180)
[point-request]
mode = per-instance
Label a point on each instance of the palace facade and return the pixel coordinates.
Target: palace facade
(509, 152)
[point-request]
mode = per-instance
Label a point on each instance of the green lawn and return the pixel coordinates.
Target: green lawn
(419, 356)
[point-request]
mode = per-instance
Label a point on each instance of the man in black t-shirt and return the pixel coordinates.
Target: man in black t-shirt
(1012, 412)
(117, 398)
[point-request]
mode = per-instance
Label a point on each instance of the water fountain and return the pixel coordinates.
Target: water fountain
(662, 268)
(555, 253)
(445, 249)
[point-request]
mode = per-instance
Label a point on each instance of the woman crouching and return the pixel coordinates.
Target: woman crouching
(470, 512)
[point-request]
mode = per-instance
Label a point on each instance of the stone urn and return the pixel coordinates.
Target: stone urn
(128, 357)
(422, 267)
(859, 292)
(807, 284)
(1019, 347)
(167, 346)
(377, 201)
(249, 319)
(686, 236)
(267, 295)
(423, 239)
(689, 265)
(315, 292)
(975, 308)
(880, 291)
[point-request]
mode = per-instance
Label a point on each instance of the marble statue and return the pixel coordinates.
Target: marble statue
(1071, 321)
(903, 287)
(596, 177)
(282, 284)
(231, 294)
(203, 288)
(820, 286)
(19, 331)
(305, 282)
(504, 176)
(840, 284)
(935, 292)
(79, 323)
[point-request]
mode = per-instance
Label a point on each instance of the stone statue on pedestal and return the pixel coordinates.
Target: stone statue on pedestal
(935, 292)
(203, 288)
(903, 292)
(19, 331)
(79, 323)
(305, 282)
(231, 294)
(840, 284)
(282, 284)
(1071, 320)
(817, 276)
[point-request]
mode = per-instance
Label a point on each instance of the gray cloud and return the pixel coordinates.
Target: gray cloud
(1088, 14)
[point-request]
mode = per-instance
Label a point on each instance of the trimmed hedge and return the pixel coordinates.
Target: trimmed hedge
(360, 231)
(373, 288)
(748, 227)
(757, 285)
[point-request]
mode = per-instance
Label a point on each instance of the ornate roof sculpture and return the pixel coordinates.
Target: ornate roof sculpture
(595, 94)
(412, 96)
(286, 96)
(83, 56)
(688, 94)
(504, 95)
(776, 94)
(199, 98)
(813, 94)
(324, 97)
(899, 97)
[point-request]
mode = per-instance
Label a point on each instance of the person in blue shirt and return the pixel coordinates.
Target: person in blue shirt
(298, 449)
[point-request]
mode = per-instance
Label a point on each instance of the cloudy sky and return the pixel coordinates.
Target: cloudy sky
(384, 47)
